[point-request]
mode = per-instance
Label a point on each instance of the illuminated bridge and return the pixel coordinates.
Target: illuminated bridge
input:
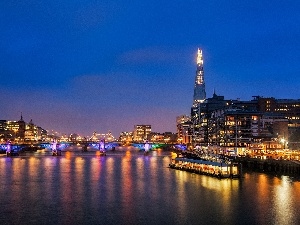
(85, 145)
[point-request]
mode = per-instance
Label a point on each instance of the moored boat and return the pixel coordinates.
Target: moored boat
(218, 169)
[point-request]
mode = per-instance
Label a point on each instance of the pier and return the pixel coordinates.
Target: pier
(282, 167)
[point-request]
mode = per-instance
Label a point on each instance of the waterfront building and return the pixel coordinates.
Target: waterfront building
(12, 130)
(8, 130)
(20, 131)
(31, 133)
(240, 129)
(184, 126)
(290, 108)
(244, 124)
(140, 132)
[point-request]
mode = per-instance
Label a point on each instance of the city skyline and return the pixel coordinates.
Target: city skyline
(96, 66)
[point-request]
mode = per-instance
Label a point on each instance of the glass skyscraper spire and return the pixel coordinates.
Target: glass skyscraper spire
(199, 97)
(199, 88)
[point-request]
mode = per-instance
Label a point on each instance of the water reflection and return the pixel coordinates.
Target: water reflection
(131, 188)
(284, 212)
(126, 185)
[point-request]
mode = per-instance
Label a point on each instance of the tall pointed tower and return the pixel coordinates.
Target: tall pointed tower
(199, 88)
(199, 97)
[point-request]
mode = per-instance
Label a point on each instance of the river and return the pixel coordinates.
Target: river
(126, 187)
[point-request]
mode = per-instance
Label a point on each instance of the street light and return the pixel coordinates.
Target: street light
(283, 141)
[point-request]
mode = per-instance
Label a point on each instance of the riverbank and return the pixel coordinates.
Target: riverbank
(270, 166)
(277, 167)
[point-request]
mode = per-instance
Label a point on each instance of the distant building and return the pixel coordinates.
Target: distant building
(41, 134)
(140, 132)
(166, 137)
(126, 137)
(31, 132)
(8, 130)
(20, 131)
(170, 137)
(12, 130)
(155, 137)
(73, 137)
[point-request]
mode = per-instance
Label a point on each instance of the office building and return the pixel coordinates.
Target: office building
(140, 132)
(184, 132)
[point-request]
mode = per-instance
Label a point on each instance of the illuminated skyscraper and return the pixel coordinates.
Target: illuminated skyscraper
(199, 97)
(199, 88)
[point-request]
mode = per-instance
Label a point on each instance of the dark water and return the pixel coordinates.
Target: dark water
(126, 187)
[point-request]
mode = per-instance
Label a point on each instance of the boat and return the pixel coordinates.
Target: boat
(212, 168)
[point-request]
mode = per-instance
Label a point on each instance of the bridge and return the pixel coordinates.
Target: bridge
(85, 145)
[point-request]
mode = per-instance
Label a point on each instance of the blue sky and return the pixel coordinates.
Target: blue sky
(84, 66)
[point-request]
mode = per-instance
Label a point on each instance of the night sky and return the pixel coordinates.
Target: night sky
(83, 66)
